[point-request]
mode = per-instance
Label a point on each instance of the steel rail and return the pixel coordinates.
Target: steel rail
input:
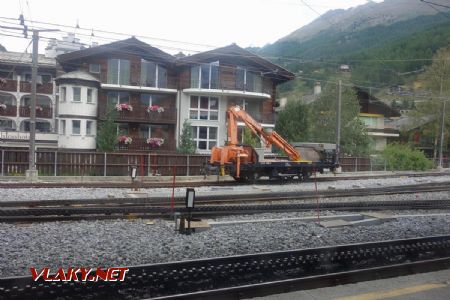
(162, 184)
(251, 274)
(102, 212)
(240, 198)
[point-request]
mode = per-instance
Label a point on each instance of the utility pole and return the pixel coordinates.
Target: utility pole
(441, 146)
(338, 122)
(32, 173)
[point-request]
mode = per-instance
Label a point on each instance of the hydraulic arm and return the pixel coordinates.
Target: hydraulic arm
(232, 153)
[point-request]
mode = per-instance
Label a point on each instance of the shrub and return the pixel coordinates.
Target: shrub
(400, 157)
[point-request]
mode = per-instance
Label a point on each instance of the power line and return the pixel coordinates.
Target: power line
(435, 4)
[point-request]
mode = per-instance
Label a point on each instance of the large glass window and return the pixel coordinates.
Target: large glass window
(118, 97)
(248, 81)
(153, 75)
(119, 71)
(204, 136)
(205, 76)
(204, 108)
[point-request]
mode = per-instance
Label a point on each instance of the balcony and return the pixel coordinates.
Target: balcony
(227, 88)
(10, 111)
(45, 88)
(8, 85)
(140, 144)
(44, 112)
(140, 114)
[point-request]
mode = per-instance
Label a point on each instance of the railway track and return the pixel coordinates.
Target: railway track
(209, 206)
(245, 276)
(167, 184)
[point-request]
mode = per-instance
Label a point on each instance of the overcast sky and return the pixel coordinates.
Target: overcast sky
(172, 25)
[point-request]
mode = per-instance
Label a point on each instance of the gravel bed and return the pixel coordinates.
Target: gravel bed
(131, 242)
(89, 193)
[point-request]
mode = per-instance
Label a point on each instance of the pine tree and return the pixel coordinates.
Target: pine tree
(107, 133)
(187, 144)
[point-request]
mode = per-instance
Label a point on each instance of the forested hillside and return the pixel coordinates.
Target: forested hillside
(379, 55)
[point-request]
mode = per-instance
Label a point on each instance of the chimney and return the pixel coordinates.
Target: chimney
(317, 89)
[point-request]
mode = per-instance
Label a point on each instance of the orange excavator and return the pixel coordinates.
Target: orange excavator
(244, 163)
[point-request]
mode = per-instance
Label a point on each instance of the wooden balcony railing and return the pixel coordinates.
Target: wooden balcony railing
(46, 112)
(140, 114)
(45, 88)
(140, 144)
(10, 111)
(9, 85)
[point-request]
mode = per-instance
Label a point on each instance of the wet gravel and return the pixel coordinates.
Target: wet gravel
(131, 242)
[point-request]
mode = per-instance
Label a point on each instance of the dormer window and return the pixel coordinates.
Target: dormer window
(205, 76)
(153, 74)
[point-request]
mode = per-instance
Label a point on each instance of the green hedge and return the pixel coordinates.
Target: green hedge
(401, 157)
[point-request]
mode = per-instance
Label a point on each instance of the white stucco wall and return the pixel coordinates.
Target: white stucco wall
(83, 111)
(69, 140)
(82, 108)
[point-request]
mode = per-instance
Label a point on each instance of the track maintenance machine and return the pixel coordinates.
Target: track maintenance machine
(245, 163)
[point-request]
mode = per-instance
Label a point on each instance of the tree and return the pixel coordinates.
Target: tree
(436, 78)
(250, 139)
(187, 144)
(107, 132)
(292, 122)
(322, 116)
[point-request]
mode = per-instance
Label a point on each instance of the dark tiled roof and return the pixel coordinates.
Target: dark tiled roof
(131, 45)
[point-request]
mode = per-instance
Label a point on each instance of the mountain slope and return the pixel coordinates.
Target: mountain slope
(365, 16)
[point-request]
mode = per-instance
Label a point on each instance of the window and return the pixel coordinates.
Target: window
(119, 71)
(41, 126)
(89, 96)
(76, 127)
(155, 131)
(94, 68)
(6, 124)
(63, 93)
(42, 101)
(149, 99)
(205, 137)
(153, 75)
(205, 76)
(7, 99)
(118, 97)
(63, 127)
(123, 129)
(248, 81)
(89, 127)
(41, 78)
(76, 94)
(6, 74)
(204, 108)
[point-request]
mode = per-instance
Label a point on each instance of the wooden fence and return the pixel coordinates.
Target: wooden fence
(63, 163)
